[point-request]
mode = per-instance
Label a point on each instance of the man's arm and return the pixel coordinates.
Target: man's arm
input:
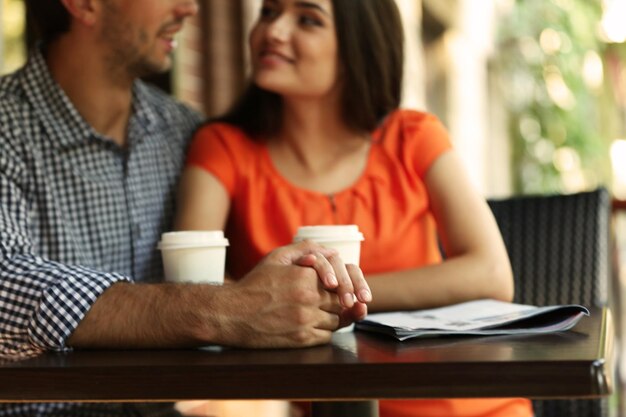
(277, 304)
(41, 301)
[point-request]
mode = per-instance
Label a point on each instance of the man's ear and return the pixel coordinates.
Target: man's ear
(83, 11)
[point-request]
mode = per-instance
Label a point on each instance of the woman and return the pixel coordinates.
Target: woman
(318, 139)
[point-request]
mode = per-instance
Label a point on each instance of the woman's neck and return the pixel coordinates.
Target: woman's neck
(316, 133)
(316, 150)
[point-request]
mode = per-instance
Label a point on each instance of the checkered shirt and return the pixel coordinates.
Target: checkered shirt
(78, 213)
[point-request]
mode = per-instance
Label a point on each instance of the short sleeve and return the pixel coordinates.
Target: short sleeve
(214, 149)
(425, 140)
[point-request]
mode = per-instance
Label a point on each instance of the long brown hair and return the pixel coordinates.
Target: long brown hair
(371, 45)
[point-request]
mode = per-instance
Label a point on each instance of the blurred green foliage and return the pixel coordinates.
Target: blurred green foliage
(551, 68)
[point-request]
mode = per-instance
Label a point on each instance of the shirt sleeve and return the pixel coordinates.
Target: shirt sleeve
(214, 149)
(426, 139)
(41, 301)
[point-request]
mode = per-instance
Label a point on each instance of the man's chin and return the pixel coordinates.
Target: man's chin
(153, 68)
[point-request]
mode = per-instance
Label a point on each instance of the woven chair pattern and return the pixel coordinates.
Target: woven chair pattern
(558, 246)
(559, 251)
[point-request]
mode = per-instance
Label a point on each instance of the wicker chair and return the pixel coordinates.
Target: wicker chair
(559, 251)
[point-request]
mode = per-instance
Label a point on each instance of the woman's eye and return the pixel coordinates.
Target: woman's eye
(268, 12)
(310, 21)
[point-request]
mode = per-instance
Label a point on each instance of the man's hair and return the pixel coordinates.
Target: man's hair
(371, 59)
(50, 18)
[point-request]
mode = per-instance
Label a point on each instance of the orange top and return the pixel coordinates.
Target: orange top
(388, 202)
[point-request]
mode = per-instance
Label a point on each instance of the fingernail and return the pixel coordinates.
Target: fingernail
(332, 279)
(348, 300)
(366, 296)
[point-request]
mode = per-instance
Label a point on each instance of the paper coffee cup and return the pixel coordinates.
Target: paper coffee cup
(345, 239)
(194, 256)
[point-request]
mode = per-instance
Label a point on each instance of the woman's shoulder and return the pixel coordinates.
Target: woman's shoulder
(416, 138)
(405, 127)
(409, 118)
(223, 129)
(216, 141)
(227, 134)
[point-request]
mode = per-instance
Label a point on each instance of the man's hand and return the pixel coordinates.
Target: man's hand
(280, 304)
(276, 305)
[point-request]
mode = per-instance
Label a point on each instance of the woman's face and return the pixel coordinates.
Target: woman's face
(294, 48)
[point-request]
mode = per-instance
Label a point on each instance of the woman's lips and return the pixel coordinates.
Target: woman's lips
(272, 58)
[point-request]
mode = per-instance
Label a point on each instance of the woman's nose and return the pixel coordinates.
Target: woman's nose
(279, 30)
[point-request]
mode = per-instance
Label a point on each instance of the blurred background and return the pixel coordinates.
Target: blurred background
(532, 91)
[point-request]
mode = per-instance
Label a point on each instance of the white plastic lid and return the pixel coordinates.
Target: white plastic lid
(192, 239)
(348, 232)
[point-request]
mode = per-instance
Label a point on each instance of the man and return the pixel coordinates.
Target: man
(89, 161)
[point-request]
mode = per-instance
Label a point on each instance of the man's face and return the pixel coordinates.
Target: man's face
(139, 34)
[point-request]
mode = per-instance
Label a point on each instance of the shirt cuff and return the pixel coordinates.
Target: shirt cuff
(44, 301)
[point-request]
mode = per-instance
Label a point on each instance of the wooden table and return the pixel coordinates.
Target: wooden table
(356, 366)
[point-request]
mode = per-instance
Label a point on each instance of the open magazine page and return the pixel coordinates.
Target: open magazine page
(481, 317)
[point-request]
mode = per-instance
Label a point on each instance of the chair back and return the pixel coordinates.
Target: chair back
(559, 251)
(558, 246)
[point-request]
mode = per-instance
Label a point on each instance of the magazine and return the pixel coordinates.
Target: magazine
(479, 318)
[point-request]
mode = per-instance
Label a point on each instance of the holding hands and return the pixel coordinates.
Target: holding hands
(296, 296)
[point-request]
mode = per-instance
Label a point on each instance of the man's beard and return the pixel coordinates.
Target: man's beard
(126, 45)
(127, 58)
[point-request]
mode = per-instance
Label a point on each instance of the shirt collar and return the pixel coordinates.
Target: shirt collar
(65, 126)
(144, 115)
